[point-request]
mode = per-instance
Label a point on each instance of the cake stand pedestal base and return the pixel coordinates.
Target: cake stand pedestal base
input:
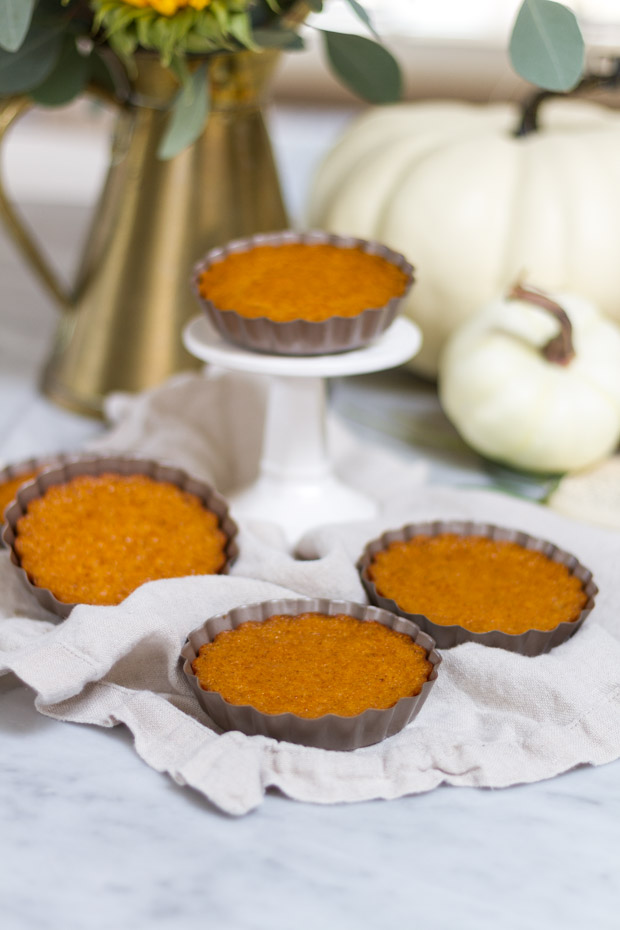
(296, 487)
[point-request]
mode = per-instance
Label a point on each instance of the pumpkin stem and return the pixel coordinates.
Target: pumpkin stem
(530, 109)
(560, 349)
(530, 112)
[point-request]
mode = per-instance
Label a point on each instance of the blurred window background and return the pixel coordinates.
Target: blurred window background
(446, 47)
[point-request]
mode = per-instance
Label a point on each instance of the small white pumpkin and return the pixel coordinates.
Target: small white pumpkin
(534, 382)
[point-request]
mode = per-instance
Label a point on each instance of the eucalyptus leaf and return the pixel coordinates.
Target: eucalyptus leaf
(364, 66)
(188, 116)
(67, 79)
(528, 485)
(28, 67)
(15, 18)
(100, 73)
(278, 38)
(546, 46)
(361, 14)
(315, 5)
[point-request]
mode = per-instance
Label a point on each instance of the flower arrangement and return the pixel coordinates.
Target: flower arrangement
(52, 50)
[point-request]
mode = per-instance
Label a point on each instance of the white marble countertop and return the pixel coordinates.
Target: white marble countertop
(90, 837)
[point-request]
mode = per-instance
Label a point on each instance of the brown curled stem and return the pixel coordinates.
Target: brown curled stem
(560, 349)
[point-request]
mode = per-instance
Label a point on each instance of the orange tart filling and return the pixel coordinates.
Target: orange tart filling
(8, 489)
(313, 664)
(95, 539)
(297, 281)
(478, 583)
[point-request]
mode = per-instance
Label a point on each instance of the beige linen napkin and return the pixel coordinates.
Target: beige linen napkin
(494, 718)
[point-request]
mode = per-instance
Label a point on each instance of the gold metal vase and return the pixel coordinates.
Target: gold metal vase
(120, 328)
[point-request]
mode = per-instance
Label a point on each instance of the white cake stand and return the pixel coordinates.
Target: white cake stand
(296, 486)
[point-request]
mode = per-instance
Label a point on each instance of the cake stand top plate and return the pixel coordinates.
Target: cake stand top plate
(397, 345)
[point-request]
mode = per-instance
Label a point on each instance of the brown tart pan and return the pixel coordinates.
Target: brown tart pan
(26, 467)
(121, 465)
(330, 731)
(301, 337)
(530, 643)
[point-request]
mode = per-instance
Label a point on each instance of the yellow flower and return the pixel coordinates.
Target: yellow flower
(168, 7)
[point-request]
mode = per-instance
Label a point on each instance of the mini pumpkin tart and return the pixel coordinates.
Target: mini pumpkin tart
(332, 674)
(302, 294)
(480, 583)
(93, 530)
(13, 476)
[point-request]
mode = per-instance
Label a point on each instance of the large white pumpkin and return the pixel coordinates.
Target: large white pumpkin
(473, 207)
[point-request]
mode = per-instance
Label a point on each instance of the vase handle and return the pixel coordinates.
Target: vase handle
(10, 110)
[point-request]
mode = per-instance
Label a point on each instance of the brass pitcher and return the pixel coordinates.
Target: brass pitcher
(120, 328)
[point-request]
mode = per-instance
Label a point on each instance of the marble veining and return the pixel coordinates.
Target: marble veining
(92, 838)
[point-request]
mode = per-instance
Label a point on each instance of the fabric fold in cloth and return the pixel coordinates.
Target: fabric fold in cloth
(494, 718)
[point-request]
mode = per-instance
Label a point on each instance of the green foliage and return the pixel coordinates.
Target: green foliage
(15, 17)
(364, 66)
(524, 484)
(284, 39)
(546, 46)
(100, 74)
(33, 62)
(40, 53)
(361, 14)
(68, 78)
(188, 115)
(224, 24)
(241, 29)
